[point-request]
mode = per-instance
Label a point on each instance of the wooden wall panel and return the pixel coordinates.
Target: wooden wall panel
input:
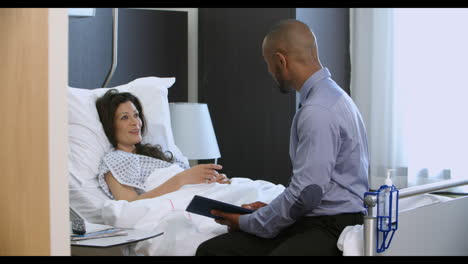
(24, 195)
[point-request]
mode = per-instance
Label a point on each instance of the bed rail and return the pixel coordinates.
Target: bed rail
(432, 187)
(370, 220)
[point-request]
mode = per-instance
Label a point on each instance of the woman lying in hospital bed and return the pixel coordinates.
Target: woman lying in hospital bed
(126, 173)
(139, 184)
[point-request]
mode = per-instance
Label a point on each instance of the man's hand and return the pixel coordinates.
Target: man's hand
(228, 219)
(232, 220)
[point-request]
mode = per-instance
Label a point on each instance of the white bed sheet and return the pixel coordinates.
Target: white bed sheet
(183, 231)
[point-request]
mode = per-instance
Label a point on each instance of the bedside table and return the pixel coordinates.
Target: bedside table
(112, 246)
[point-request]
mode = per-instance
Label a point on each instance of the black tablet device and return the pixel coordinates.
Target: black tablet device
(202, 206)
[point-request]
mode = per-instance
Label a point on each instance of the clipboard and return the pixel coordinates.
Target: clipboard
(202, 206)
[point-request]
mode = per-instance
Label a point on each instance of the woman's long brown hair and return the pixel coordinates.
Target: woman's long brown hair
(107, 105)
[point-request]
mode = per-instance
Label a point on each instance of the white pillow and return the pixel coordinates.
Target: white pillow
(88, 142)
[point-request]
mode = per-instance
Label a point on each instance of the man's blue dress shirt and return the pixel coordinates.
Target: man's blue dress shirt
(329, 155)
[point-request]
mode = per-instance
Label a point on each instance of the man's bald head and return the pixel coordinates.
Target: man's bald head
(294, 39)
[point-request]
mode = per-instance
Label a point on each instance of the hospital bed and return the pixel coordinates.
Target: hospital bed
(183, 231)
(434, 227)
(428, 224)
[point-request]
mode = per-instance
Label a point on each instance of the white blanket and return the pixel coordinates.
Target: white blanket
(183, 231)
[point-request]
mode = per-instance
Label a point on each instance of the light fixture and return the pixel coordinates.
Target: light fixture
(193, 131)
(81, 12)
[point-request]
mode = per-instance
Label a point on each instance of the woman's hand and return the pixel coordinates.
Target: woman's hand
(254, 206)
(202, 173)
(222, 179)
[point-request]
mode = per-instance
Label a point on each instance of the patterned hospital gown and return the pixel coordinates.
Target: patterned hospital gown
(131, 169)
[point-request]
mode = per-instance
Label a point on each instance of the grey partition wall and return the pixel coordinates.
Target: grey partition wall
(151, 43)
(331, 27)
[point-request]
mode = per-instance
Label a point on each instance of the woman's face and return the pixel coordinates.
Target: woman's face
(127, 125)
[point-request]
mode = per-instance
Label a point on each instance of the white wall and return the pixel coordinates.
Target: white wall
(58, 132)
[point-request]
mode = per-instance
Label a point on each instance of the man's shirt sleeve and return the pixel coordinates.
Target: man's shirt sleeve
(315, 155)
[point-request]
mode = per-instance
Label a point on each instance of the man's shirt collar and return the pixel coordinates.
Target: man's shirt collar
(310, 84)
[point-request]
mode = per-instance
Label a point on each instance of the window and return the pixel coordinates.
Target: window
(430, 78)
(408, 78)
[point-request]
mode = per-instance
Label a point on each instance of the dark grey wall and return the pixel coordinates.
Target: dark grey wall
(331, 28)
(250, 116)
(151, 43)
(89, 49)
